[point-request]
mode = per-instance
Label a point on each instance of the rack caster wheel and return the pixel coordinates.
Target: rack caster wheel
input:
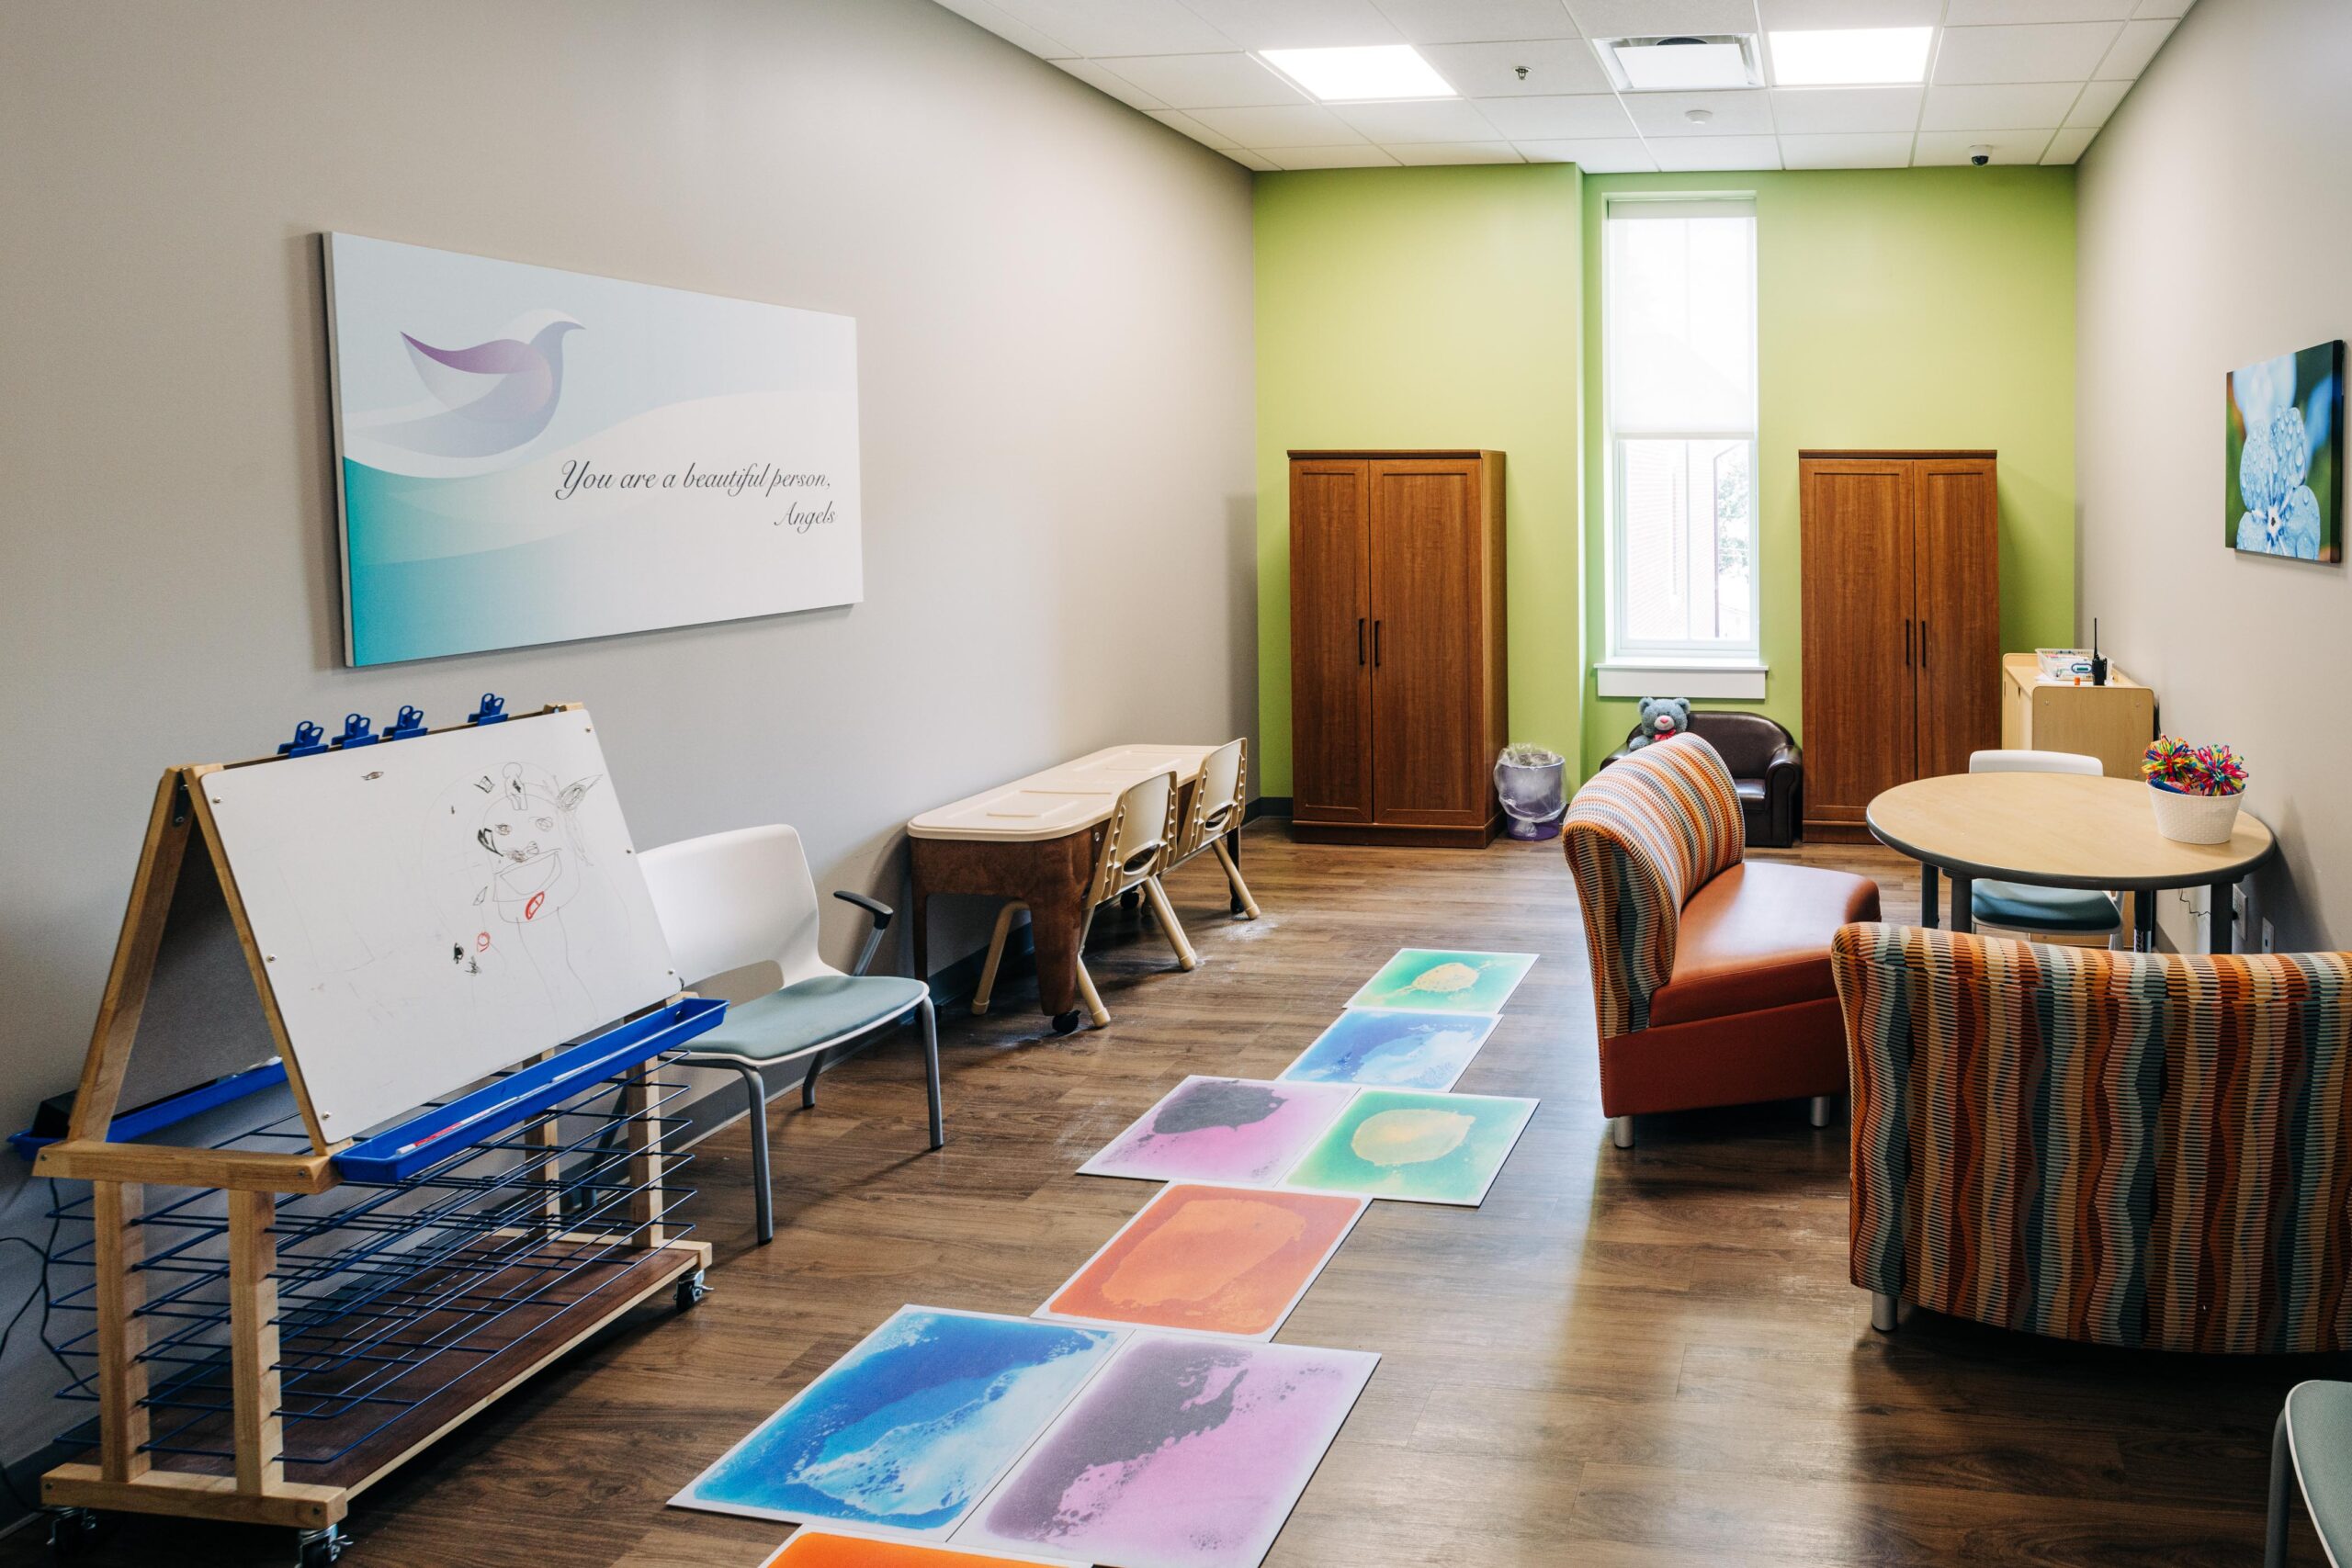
(319, 1549)
(1066, 1022)
(75, 1533)
(691, 1291)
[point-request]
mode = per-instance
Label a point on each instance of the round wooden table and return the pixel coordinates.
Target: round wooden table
(2058, 830)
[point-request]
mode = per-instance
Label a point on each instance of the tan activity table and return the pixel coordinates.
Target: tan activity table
(1036, 840)
(2058, 830)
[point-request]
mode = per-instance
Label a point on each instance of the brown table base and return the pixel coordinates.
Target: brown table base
(1050, 875)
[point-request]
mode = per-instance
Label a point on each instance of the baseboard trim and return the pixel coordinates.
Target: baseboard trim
(1267, 806)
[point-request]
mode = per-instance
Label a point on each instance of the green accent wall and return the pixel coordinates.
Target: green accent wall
(1435, 306)
(1894, 307)
(1461, 307)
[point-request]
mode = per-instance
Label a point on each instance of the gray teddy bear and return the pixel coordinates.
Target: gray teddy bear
(1662, 718)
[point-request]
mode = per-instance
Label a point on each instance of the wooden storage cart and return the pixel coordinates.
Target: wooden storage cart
(277, 1321)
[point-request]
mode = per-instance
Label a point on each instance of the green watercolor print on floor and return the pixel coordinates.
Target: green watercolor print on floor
(1415, 1146)
(1430, 979)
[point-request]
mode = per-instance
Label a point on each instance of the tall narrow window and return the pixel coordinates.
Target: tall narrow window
(1678, 296)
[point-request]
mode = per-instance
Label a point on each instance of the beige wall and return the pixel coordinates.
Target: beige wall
(2215, 214)
(1053, 296)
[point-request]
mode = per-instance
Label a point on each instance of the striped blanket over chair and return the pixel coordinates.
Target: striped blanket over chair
(2132, 1149)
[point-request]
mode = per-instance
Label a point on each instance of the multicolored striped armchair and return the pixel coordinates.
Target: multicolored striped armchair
(2133, 1149)
(1710, 972)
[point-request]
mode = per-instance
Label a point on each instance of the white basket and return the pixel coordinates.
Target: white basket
(2195, 819)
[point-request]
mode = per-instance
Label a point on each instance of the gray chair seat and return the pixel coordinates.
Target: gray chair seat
(812, 1014)
(2021, 906)
(2314, 1437)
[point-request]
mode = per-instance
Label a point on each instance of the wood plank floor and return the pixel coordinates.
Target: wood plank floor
(1650, 1357)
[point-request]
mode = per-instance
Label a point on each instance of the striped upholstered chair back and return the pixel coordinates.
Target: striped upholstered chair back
(1642, 835)
(2133, 1149)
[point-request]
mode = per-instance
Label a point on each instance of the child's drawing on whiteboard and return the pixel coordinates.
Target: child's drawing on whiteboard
(523, 862)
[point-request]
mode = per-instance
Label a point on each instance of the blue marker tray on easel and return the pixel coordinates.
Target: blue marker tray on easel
(432, 1136)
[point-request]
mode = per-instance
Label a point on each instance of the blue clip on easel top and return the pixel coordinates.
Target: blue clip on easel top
(445, 1131)
(492, 710)
(308, 738)
(356, 731)
(407, 725)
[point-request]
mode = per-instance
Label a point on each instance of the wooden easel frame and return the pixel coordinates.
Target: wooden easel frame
(122, 1475)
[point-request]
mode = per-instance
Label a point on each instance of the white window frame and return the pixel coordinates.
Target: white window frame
(1645, 667)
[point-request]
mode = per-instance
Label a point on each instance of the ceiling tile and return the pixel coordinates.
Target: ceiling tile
(1477, 21)
(1297, 24)
(1285, 125)
(1973, 12)
(1703, 153)
(1586, 116)
(2134, 49)
(987, 13)
(1118, 26)
(2058, 52)
(2174, 8)
(1432, 152)
(1731, 114)
(1792, 16)
(1363, 155)
(1998, 108)
(1880, 149)
(1491, 70)
(1937, 147)
(2098, 102)
(1203, 81)
(2067, 146)
(1626, 155)
(1435, 120)
(1650, 18)
(1815, 111)
(1177, 120)
(1250, 160)
(1103, 80)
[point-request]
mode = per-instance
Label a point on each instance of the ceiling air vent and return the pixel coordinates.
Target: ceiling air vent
(1681, 63)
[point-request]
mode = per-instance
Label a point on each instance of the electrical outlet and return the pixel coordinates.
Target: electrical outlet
(2265, 936)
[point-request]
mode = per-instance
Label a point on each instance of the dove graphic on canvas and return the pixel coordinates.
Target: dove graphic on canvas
(487, 399)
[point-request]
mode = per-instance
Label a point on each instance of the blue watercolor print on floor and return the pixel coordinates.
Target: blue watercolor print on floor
(907, 1432)
(1379, 1048)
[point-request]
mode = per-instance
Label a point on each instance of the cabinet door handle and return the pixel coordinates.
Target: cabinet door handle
(1923, 642)
(1906, 642)
(1376, 645)
(1359, 639)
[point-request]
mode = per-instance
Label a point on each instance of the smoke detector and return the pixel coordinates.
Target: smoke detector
(1681, 63)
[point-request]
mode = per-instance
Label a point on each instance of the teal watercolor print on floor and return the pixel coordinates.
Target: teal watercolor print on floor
(1418, 1147)
(1430, 979)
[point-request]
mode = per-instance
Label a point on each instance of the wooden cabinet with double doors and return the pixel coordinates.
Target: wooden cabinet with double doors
(1398, 700)
(1902, 625)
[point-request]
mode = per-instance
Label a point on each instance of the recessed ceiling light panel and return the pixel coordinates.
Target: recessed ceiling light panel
(1372, 73)
(1680, 64)
(1851, 57)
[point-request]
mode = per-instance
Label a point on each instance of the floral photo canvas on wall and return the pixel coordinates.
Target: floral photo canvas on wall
(2283, 452)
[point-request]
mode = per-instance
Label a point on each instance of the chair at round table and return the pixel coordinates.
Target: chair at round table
(2071, 916)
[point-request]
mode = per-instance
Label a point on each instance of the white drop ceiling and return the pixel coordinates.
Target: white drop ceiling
(2032, 79)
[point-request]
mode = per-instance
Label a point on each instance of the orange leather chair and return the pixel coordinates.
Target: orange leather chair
(1711, 974)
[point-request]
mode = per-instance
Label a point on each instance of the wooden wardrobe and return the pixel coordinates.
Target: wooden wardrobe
(1902, 625)
(1396, 646)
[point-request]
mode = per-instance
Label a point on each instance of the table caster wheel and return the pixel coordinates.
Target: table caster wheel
(319, 1549)
(1066, 1022)
(691, 1291)
(75, 1533)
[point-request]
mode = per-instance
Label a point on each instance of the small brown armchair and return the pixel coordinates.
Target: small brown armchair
(1710, 978)
(1767, 769)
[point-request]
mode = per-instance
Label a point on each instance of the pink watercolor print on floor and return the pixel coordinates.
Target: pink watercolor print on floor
(1183, 1453)
(1223, 1130)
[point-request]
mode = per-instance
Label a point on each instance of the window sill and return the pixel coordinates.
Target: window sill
(1739, 680)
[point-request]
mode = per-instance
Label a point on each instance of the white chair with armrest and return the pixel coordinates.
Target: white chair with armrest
(728, 901)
